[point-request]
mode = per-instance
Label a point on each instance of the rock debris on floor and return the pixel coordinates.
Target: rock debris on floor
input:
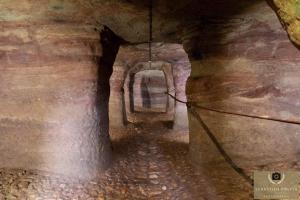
(146, 165)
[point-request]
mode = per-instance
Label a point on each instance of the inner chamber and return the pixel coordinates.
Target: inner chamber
(149, 91)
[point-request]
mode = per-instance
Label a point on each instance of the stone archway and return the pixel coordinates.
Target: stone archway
(166, 67)
(149, 88)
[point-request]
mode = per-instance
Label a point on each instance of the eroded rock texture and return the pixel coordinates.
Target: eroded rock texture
(49, 86)
(289, 14)
(249, 66)
(55, 65)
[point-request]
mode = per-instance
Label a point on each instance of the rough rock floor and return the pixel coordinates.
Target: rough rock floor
(148, 164)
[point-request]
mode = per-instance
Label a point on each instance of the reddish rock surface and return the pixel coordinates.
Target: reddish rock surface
(250, 68)
(49, 85)
(56, 59)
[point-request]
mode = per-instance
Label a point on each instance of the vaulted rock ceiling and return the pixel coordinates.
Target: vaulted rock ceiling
(129, 18)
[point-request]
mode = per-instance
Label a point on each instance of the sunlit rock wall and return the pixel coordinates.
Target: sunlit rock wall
(288, 12)
(245, 64)
(48, 85)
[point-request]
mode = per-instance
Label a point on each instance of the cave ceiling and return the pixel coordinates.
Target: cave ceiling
(129, 18)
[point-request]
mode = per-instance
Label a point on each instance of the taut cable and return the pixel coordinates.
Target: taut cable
(191, 108)
(189, 104)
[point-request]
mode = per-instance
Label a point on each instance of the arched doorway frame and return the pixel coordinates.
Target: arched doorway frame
(166, 67)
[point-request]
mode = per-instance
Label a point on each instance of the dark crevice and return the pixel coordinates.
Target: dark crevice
(131, 98)
(145, 93)
(110, 45)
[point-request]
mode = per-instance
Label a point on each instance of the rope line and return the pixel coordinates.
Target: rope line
(222, 151)
(191, 108)
(190, 104)
(215, 141)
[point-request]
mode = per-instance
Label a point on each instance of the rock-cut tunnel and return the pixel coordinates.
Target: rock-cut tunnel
(86, 113)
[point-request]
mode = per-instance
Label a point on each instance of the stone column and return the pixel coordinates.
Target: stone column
(54, 95)
(116, 104)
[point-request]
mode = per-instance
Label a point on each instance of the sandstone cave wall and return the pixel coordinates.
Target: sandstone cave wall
(247, 65)
(49, 117)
